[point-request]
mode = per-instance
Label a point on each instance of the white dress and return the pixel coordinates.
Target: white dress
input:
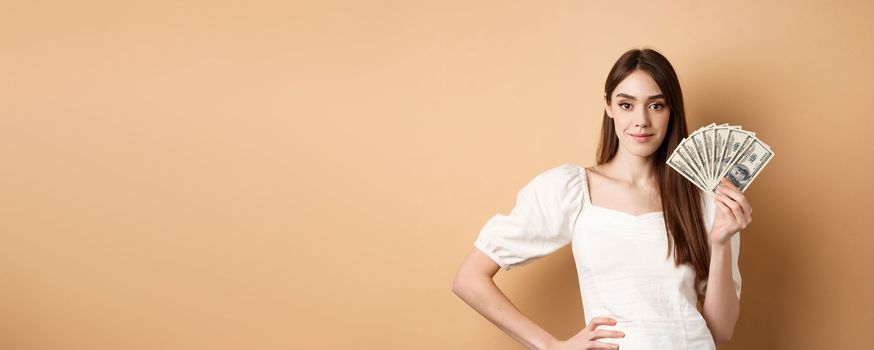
(621, 259)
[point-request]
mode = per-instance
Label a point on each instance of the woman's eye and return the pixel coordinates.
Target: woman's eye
(657, 106)
(624, 105)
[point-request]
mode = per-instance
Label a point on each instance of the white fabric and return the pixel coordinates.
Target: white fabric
(622, 263)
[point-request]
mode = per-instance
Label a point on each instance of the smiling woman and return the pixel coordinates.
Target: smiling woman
(647, 243)
(644, 119)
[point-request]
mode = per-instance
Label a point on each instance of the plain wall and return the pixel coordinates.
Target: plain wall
(310, 175)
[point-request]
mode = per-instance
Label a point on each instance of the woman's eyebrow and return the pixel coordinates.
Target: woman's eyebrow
(653, 97)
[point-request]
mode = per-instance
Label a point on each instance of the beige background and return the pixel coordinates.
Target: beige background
(289, 175)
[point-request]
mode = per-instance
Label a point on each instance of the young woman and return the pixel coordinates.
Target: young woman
(656, 256)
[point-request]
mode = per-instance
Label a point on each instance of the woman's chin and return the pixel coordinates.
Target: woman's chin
(642, 152)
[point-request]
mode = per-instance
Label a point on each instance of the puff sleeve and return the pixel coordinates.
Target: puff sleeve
(541, 221)
(709, 219)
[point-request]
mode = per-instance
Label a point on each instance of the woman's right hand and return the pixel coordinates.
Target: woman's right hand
(586, 338)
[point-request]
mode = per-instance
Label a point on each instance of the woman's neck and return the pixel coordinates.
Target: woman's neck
(632, 169)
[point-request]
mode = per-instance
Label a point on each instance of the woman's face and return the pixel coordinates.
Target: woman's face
(640, 114)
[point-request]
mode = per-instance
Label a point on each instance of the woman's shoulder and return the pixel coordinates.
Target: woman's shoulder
(564, 181)
(566, 169)
(561, 174)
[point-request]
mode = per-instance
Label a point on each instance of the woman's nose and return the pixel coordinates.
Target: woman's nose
(641, 118)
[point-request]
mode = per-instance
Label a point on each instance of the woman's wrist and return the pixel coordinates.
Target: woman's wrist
(716, 242)
(549, 343)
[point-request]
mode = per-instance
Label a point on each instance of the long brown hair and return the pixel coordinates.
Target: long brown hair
(681, 201)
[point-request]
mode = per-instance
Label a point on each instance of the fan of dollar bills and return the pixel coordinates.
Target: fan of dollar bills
(716, 151)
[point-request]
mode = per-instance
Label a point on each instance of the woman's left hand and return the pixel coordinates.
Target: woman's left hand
(735, 212)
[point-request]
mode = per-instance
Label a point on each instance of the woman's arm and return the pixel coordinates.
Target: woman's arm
(721, 305)
(475, 285)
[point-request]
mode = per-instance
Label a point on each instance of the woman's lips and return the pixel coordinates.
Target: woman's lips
(642, 137)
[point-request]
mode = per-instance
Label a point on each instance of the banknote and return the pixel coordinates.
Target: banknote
(680, 165)
(748, 165)
(716, 151)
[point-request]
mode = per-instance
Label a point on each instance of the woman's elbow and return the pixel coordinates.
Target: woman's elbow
(462, 283)
(458, 284)
(476, 269)
(722, 339)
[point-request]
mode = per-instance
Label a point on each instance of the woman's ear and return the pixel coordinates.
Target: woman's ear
(607, 107)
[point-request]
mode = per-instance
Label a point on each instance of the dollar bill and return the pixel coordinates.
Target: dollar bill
(748, 165)
(676, 162)
(716, 151)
